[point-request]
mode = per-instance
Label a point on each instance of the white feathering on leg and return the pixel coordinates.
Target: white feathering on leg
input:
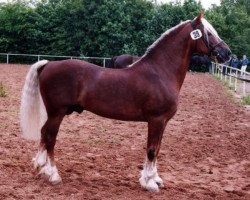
(43, 163)
(150, 179)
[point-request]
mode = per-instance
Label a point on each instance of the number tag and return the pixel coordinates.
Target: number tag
(196, 34)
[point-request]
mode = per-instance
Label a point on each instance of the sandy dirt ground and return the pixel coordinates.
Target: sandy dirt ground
(205, 152)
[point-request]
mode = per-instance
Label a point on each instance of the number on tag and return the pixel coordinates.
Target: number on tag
(196, 34)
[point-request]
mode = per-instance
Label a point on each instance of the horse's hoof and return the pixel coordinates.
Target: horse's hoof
(50, 173)
(159, 181)
(55, 179)
(152, 186)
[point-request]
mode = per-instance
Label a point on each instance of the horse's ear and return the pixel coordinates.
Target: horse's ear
(197, 20)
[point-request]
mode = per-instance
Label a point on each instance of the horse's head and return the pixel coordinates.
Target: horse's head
(208, 41)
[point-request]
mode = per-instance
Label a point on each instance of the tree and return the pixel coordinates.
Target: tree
(17, 27)
(232, 22)
(110, 27)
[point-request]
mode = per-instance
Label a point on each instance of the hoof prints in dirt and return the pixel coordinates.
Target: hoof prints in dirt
(204, 154)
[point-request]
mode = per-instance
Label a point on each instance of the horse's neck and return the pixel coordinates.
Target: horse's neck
(171, 56)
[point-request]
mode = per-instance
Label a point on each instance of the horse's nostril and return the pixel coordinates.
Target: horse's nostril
(215, 53)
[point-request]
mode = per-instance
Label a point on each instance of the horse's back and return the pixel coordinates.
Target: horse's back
(66, 69)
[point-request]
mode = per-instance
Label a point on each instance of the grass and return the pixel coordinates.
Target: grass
(246, 100)
(217, 77)
(3, 92)
(230, 87)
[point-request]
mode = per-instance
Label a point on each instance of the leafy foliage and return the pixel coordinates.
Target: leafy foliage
(246, 100)
(110, 27)
(232, 21)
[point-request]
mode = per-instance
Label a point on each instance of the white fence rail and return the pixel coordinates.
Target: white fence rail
(40, 57)
(235, 78)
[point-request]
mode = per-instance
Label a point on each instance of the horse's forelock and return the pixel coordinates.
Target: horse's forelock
(209, 27)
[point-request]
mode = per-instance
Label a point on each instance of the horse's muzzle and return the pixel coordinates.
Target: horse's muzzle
(221, 54)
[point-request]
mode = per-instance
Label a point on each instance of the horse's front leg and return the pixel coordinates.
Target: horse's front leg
(150, 179)
(44, 163)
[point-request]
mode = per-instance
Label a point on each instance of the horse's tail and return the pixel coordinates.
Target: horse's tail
(32, 111)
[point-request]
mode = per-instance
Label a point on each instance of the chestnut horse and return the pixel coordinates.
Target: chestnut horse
(122, 61)
(147, 91)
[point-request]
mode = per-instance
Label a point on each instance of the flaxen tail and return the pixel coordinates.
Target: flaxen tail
(32, 111)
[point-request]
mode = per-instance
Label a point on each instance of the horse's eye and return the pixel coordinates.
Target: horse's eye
(209, 34)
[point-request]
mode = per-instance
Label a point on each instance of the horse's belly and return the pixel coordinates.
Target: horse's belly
(126, 113)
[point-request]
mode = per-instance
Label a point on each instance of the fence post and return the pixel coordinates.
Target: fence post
(213, 69)
(216, 70)
(7, 58)
(230, 78)
(241, 87)
(244, 85)
(221, 75)
(235, 81)
(38, 58)
(225, 73)
(104, 63)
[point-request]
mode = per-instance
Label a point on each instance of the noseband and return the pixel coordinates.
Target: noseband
(211, 48)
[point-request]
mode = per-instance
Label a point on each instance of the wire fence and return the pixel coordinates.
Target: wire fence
(235, 79)
(31, 58)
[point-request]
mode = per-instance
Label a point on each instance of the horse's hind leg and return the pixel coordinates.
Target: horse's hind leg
(44, 161)
(150, 179)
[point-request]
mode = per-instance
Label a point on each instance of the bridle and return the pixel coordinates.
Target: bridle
(212, 51)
